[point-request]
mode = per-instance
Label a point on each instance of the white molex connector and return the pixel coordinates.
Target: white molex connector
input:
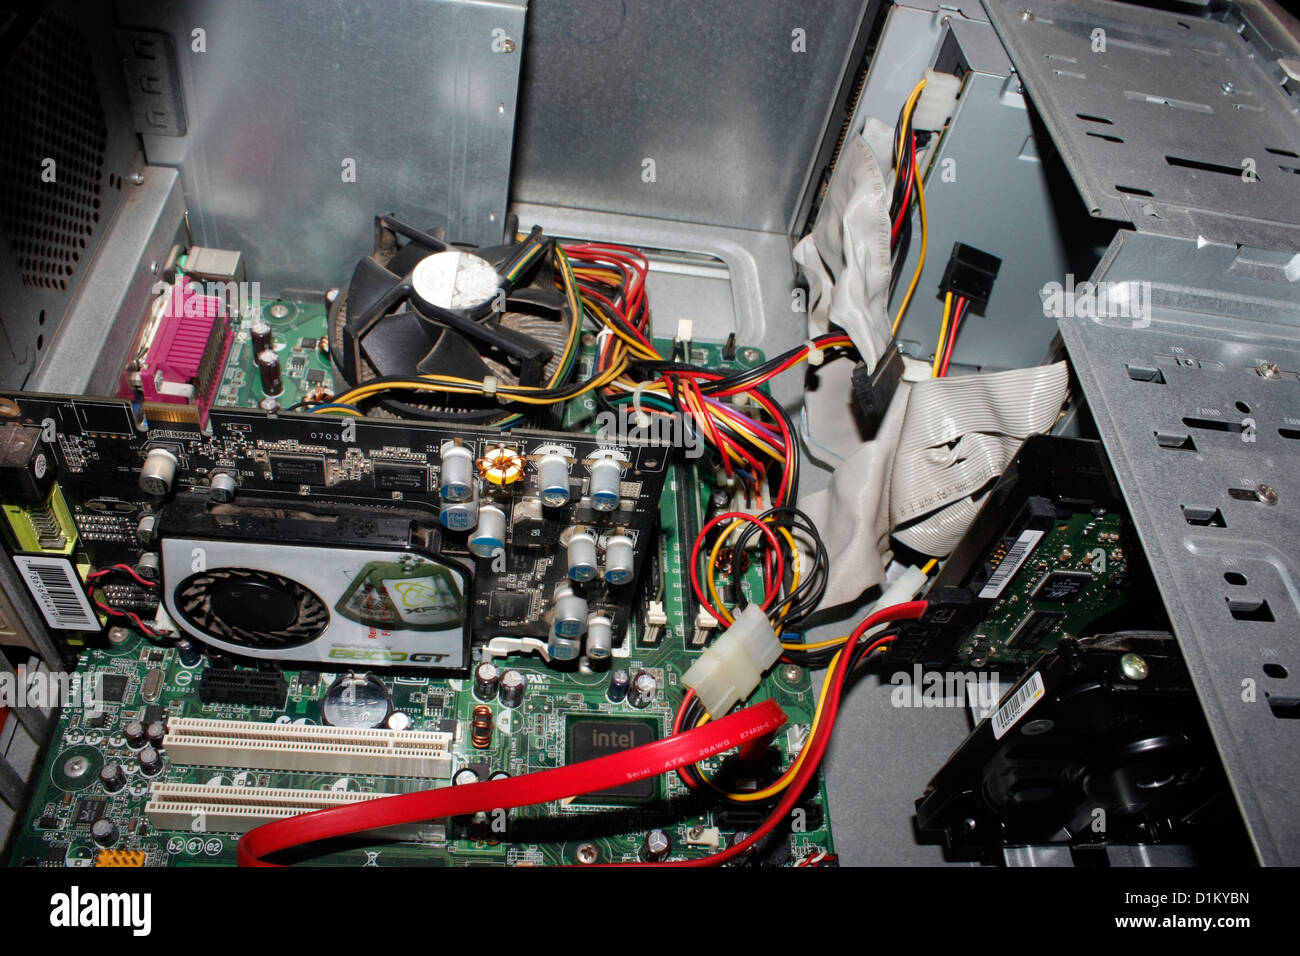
(198, 741)
(937, 102)
(202, 808)
(733, 665)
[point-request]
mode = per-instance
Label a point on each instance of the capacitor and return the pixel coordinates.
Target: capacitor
(643, 689)
(399, 720)
(133, 731)
(188, 652)
(456, 483)
(459, 515)
(498, 775)
(158, 472)
(104, 831)
(263, 340)
(606, 484)
(148, 566)
(145, 528)
(155, 733)
(463, 776)
(570, 613)
(619, 557)
(486, 678)
(600, 637)
(619, 681)
(553, 480)
(150, 761)
(656, 846)
(490, 536)
(112, 777)
(511, 689)
(268, 366)
(222, 487)
(563, 648)
(582, 556)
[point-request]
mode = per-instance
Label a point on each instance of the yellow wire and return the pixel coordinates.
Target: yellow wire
(788, 777)
(929, 566)
(710, 568)
(943, 334)
(920, 201)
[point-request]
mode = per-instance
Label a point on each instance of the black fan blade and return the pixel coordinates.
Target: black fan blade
(398, 343)
(547, 302)
(371, 293)
(452, 355)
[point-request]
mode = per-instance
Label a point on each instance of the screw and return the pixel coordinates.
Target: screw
(507, 45)
(1026, 14)
(791, 673)
(330, 296)
(1227, 86)
(695, 832)
(1134, 667)
(1270, 369)
(750, 355)
(1266, 494)
(587, 853)
(137, 178)
(116, 635)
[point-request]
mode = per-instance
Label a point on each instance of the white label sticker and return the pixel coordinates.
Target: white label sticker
(1019, 704)
(56, 590)
(1017, 556)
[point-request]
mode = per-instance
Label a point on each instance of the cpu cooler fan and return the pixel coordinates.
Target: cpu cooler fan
(252, 609)
(425, 307)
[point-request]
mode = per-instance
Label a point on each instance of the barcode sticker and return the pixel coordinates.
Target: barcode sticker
(1019, 704)
(1017, 556)
(55, 588)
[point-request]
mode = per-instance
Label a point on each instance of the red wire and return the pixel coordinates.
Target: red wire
(750, 729)
(771, 592)
(908, 182)
(958, 313)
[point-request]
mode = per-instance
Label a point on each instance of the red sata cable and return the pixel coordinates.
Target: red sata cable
(750, 729)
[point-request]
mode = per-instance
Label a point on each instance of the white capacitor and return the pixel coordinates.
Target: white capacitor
(600, 637)
(605, 488)
(582, 556)
(563, 648)
(457, 479)
(459, 515)
(490, 537)
(619, 556)
(570, 613)
(158, 472)
(553, 480)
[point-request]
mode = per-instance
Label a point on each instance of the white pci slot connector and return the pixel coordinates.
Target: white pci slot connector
(200, 808)
(200, 742)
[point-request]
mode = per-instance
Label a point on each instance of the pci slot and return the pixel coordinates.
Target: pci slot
(196, 807)
(198, 741)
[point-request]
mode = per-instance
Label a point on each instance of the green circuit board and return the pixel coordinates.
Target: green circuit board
(298, 328)
(544, 732)
(1076, 574)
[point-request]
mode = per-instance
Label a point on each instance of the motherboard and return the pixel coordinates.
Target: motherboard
(201, 732)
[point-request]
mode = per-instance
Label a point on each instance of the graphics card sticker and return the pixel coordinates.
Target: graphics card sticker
(430, 601)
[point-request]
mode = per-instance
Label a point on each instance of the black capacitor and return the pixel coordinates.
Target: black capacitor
(498, 775)
(134, 733)
(619, 682)
(643, 689)
(656, 846)
(511, 688)
(465, 775)
(104, 831)
(112, 776)
(150, 761)
(263, 340)
(188, 652)
(487, 677)
(268, 366)
(155, 732)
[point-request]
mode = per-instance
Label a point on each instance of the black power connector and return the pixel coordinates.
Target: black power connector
(970, 273)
